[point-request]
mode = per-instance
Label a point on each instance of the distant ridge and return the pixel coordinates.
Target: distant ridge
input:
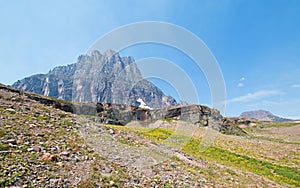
(263, 115)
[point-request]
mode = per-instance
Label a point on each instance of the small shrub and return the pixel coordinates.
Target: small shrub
(158, 134)
(3, 147)
(2, 132)
(68, 123)
(169, 120)
(87, 183)
(42, 118)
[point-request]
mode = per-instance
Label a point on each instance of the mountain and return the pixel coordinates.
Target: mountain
(97, 77)
(263, 115)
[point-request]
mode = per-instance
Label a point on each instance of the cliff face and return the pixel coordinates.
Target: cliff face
(200, 115)
(97, 77)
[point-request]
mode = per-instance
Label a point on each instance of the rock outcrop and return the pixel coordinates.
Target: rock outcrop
(122, 114)
(97, 77)
(200, 115)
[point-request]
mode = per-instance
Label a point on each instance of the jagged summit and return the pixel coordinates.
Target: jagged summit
(97, 77)
(109, 53)
(96, 55)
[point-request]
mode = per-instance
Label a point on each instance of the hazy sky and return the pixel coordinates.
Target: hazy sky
(256, 43)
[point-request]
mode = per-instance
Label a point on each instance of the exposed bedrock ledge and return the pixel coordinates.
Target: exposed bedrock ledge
(121, 114)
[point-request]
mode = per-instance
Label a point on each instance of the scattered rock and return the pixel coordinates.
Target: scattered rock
(49, 157)
(12, 145)
(67, 154)
(108, 170)
(111, 131)
(40, 134)
(11, 141)
(173, 165)
(75, 159)
(37, 148)
(53, 148)
(33, 172)
(11, 110)
(61, 164)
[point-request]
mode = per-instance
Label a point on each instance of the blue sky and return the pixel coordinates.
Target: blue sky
(256, 43)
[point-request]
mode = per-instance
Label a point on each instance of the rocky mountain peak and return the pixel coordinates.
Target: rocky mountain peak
(110, 53)
(95, 55)
(97, 77)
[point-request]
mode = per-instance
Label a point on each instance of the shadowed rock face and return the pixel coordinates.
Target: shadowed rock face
(97, 77)
(120, 114)
(196, 114)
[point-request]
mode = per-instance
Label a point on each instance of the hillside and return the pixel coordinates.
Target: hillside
(42, 144)
(263, 115)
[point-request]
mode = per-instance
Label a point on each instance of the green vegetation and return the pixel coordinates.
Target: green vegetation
(262, 126)
(275, 172)
(231, 161)
(62, 115)
(111, 181)
(169, 120)
(279, 140)
(42, 118)
(68, 123)
(2, 132)
(157, 134)
(278, 173)
(279, 124)
(3, 147)
(123, 141)
(87, 183)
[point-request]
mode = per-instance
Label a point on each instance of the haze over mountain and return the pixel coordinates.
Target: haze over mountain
(263, 115)
(97, 77)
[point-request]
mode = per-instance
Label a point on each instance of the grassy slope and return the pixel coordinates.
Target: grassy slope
(231, 151)
(267, 157)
